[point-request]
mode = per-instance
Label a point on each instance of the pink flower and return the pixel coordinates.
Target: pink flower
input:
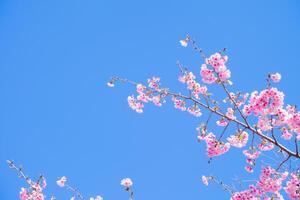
(230, 114)
(293, 186)
(179, 103)
(184, 42)
(270, 180)
(156, 100)
(44, 183)
(265, 145)
(215, 147)
(249, 169)
(286, 134)
(126, 182)
(140, 88)
(294, 122)
(205, 180)
(251, 154)
(239, 140)
(207, 75)
(222, 122)
(264, 124)
(154, 83)
(62, 181)
(266, 102)
(194, 111)
(110, 84)
(275, 77)
(134, 104)
(250, 194)
(23, 194)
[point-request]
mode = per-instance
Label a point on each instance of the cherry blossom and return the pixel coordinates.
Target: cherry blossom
(62, 181)
(205, 180)
(238, 140)
(215, 147)
(110, 84)
(275, 77)
(270, 180)
(126, 182)
(194, 110)
(184, 42)
(222, 122)
(293, 186)
(207, 75)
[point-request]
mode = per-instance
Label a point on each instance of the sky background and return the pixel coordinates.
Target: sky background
(58, 117)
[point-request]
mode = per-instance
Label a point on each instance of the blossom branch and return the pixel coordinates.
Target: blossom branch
(246, 125)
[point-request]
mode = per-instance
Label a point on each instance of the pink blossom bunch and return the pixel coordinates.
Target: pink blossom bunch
(154, 83)
(207, 75)
(217, 61)
(264, 123)
(215, 147)
(270, 180)
(156, 100)
(238, 140)
(286, 134)
(252, 154)
(265, 145)
(194, 110)
(230, 114)
(293, 186)
(294, 122)
(35, 192)
(266, 102)
(31, 195)
(282, 117)
(196, 88)
(179, 103)
(251, 194)
(189, 79)
(134, 104)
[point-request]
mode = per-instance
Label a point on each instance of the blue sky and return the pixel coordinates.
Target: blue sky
(59, 118)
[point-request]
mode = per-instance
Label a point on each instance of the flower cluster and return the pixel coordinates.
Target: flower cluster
(192, 85)
(270, 180)
(238, 140)
(252, 154)
(251, 194)
(146, 95)
(264, 103)
(215, 147)
(219, 71)
(35, 192)
(293, 186)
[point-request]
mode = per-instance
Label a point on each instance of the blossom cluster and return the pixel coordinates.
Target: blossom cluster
(268, 187)
(219, 70)
(35, 192)
(214, 146)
